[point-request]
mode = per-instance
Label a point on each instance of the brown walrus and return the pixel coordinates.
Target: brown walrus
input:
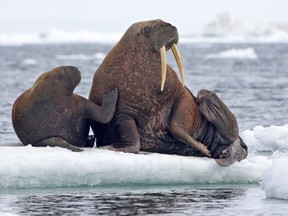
(50, 114)
(152, 118)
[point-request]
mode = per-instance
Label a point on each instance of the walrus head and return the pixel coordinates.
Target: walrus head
(162, 36)
(63, 78)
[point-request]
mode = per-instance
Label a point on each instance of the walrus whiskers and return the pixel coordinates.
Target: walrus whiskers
(177, 57)
(163, 66)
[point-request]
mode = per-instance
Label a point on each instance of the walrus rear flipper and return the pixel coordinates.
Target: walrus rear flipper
(216, 112)
(57, 142)
(235, 152)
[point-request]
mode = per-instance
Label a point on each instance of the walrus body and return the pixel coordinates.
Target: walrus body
(50, 114)
(147, 118)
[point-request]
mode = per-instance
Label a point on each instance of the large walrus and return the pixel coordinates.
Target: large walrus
(152, 118)
(50, 114)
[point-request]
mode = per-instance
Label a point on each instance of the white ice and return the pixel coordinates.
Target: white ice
(223, 30)
(270, 138)
(81, 56)
(29, 61)
(273, 139)
(248, 53)
(30, 167)
(26, 167)
(275, 180)
(58, 36)
(227, 28)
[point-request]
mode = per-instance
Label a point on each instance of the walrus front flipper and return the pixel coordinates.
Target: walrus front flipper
(57, 142)
(180, 125)
(109, 105)
(105, 113)
(127, 135)
(216, 112)
(180, 134)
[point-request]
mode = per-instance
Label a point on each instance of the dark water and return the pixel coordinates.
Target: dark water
(256, 90)
(160, 200)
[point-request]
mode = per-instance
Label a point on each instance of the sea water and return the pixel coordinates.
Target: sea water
(251, 78)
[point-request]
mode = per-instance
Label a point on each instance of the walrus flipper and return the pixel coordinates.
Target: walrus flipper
(57, 142)
(180, 134)
(128, 135)
(179, 124)
(217, 113)
(105, 113)
(109, 105)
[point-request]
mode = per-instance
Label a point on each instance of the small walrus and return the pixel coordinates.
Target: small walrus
(153, 119)
(50, 114)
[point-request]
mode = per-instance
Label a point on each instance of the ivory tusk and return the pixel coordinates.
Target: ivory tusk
(179, 61)
(163, 66)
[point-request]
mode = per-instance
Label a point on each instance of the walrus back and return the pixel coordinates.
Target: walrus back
(27, 117)
(20, 108)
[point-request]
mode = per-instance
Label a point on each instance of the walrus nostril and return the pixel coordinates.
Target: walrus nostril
(168, 24)
(225, 153)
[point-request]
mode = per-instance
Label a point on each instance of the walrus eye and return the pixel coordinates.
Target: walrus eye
(62, 76)
(146, 30)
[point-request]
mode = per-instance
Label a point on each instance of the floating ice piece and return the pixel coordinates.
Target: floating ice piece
(30, 167)
(29, 61)
(275, 180)
(248, 53)
(81, 56)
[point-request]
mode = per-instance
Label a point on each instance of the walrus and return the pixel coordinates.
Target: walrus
(152, 118)
(50, 114)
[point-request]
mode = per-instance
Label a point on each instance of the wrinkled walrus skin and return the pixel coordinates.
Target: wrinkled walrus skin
(149, 116)
(50, 114)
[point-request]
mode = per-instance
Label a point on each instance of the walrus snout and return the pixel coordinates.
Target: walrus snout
(73, 74)
(237, 151)
(165, 36)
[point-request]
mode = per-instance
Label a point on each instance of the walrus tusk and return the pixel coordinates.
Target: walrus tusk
(163, 66)
(179, 61)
